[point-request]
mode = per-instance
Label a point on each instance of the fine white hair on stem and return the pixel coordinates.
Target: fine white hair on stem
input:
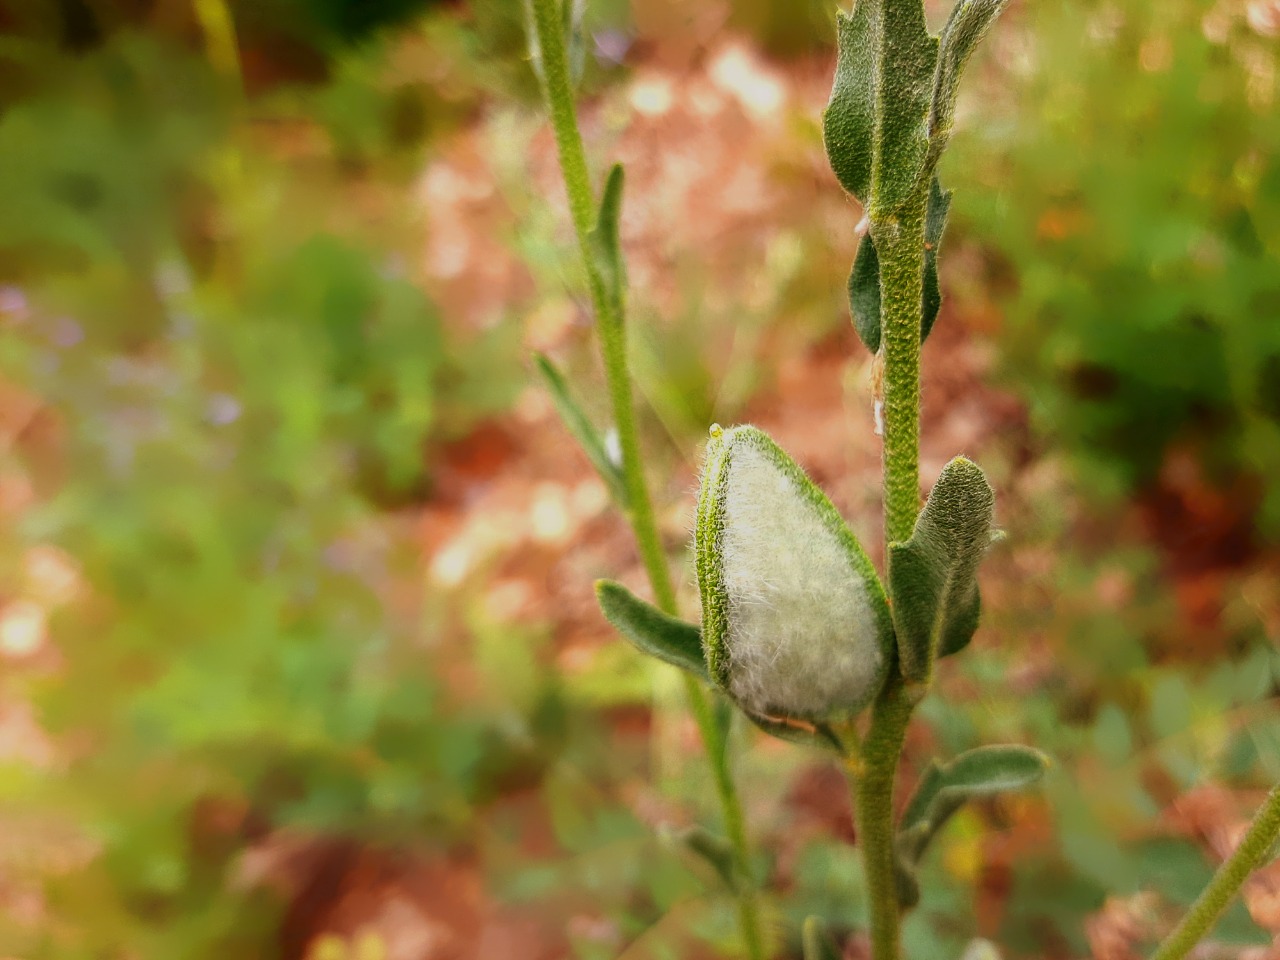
(803, 637)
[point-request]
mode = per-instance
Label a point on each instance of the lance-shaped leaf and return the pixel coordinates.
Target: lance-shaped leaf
(605, 245)
(795, 622)
(935, 222)
(944, 789)
(581, 428)
(908, 56)
(968, 24)
(848, 124)
(864, 280)
(933, 577)
(816, 941)
(650, 630)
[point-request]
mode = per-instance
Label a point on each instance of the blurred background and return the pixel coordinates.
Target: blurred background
(300, 656)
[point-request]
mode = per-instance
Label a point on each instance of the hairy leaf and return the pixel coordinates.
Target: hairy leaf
(909, 58)
(968, 24)
(848, 124)
(944, 789)
(864, 280)
(582, 429)
(650, 630)
(933, 576)
(818, 735)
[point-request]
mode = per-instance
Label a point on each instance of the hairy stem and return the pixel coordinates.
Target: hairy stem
(558, 92)
(872, 777)
(1226, 883)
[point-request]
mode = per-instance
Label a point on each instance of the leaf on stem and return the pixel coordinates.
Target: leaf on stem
(817, 942)
(650, 630)
(864, 280)
(848, 124)
(933, 576)
(944, 789)
(968, 24)
(910, 57)
(582, 429)
(605, 245)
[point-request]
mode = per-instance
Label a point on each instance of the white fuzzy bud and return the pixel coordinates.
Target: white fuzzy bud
(795, 621)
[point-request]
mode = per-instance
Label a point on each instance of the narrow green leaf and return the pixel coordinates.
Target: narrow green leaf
(581, 428)
(864, 280)
(606, 247)
(934, 224)
(864, 294)
(650, 630)
(943, 790)
(909, 58)
(968, 24)
(816, 941)
(933, 576)
(848, 124)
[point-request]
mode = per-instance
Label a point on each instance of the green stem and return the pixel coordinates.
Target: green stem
(872, 777)
(899, 242)
(558, 92)
(1226, 883)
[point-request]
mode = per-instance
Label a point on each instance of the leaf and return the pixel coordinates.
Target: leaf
(817, 942)
(909, 61)
(650, 630)
(604, 242)
(848, 123)
(864, 281)
(933, 576)
(968, 24)
(582, 429)
(864, 294)
(935, 223)
(943, 790)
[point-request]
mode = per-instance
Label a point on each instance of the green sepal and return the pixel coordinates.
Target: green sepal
(710, 848)
(864, 279)
(605, 244)
(933, 576)
(650, 630)
(816, 941)
(944, 789)
(820, 735)
(848, 123)
(968, 24)
(910, 59)
(581, 428)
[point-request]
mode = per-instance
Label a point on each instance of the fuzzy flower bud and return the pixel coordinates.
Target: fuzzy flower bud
(794, 619)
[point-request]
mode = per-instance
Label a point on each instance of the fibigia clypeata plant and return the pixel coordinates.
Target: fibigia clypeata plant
(798, 632)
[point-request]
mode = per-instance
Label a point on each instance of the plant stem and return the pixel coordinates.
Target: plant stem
(872, 777)
(558, 92)
(899, 239)
(900, 243)
(1226, 883)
